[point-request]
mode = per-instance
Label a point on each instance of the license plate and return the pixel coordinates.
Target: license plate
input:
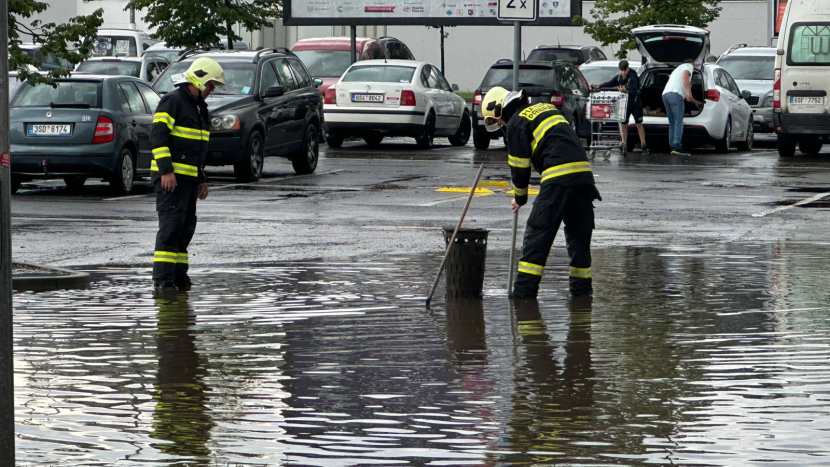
(807, 100)
(37, 129)
(376, 98)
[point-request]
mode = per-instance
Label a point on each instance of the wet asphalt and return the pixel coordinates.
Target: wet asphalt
(369, 201)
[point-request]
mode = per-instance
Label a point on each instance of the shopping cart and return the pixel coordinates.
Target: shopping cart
(606, 107)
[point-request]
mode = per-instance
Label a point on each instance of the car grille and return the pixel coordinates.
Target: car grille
(753, 100)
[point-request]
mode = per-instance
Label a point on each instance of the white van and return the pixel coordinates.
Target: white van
(801, 108)
(121, 43)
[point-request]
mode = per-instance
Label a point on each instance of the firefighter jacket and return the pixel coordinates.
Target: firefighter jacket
(179, 136)
(539, 136)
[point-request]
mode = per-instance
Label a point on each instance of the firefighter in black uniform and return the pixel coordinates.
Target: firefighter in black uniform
(539, 136)
(179, 138)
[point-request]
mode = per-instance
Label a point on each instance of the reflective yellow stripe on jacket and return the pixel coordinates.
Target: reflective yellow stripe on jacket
(518, 162)
(160, 153)
(565, 169)
(165, 118)
(190, 133)
(543, 128)
(181, 169)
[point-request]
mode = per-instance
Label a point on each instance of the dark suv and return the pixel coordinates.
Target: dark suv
(270, 106)
(575, 54)
(558, 83)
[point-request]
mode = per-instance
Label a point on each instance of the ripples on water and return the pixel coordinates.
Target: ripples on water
(687, 356)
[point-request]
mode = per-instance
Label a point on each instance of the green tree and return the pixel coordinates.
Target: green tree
(70, 41)
(613, 20)
(201, 23)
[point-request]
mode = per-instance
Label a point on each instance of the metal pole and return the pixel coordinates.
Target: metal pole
(443, 72)
(6, 342)
(132, 19)
(517, 53)
(353, 35)
(512, 255)
(771, 21)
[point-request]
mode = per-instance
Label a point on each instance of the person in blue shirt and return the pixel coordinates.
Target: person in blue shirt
(628, 81)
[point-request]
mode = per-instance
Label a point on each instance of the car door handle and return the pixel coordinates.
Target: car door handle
(134, 123)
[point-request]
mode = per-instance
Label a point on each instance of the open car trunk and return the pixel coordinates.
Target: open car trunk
(652, 84)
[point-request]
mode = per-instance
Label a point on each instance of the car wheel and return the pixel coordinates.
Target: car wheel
(750, 138)
(249, 168)
(74, 182)
(122, 178)
(305, 161)
(481, 140)
(426, 139)
(373, 139)
(810, 145)
(334, 141)
(462, 136)
(726, 143)
(786, 146)
(16, 182)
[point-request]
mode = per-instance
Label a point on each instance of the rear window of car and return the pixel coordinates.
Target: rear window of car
(758, 68)
(600, 74)
(114, 46)
(325, 63)
(67, 93)
(548, 55)
(105, 67)
(809, 44)
(542, 77)
(379, 74)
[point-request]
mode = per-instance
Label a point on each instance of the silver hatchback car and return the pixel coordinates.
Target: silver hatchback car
(753, 69)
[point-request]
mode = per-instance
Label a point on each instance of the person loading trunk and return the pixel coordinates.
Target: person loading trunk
(539, 136)
(628, 81)
(677, 92)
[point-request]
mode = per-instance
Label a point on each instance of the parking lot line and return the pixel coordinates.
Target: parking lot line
(800, 203)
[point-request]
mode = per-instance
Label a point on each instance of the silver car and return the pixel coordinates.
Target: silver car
(753, 69)
(146, 68)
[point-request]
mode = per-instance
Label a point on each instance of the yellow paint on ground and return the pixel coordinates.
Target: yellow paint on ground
(530, 191)
(479, 191)
(495, 183)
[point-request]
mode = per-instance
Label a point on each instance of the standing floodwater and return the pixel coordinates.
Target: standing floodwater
(685, 356)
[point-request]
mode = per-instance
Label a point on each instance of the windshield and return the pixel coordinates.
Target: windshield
(13, 85)
(542, 77)
(67, 93)
(379, 74)
(325, 63)
(549, 55)
(600, 74)
(760, 68)
(169, 55)
(239, 77)
(674, 48)
(810, 45)
(114, 46)
(107, 67)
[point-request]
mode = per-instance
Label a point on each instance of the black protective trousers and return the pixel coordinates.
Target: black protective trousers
(556, 204)
(177, 224)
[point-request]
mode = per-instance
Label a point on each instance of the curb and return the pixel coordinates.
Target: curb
(68, 279)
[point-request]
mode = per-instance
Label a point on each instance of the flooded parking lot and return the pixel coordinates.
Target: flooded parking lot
(709, 355)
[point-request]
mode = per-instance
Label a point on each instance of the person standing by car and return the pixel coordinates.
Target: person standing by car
(179, 138)
(628, 81)
(539, 136)
(678, 91)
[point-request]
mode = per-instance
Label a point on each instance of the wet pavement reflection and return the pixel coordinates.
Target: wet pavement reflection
(710, 355)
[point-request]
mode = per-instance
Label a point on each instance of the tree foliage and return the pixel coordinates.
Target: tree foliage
(613, 20)
(202, 23)
(70, 41)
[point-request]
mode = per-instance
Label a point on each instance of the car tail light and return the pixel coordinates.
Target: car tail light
(331, 96)
(776, 91)
(477, 98)
(713, 95)
(600, 110)
(408, 98)
(104, 131)
(557, 99)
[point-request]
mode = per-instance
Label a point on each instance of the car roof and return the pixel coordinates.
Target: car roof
(530, 64)
(329, 43)
(753, 51)
(607, 63)
(115, 59)
(409, 63)
(574, 47)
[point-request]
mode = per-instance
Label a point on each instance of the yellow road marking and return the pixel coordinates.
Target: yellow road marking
(530, 191)
(495, 183)
(479, 191)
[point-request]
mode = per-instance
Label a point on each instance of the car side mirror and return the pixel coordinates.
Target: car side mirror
(745, 95)
(455, 88)
(274, 91)
(318, 82)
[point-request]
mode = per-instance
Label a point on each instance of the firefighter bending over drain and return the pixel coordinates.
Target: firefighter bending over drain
(539, 136)
(179, 138)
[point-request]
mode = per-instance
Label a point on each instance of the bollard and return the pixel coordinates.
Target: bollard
(465, 263)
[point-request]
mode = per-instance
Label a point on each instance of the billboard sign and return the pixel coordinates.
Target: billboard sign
(420, 12)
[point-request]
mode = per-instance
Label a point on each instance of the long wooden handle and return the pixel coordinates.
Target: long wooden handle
(455, 232)
(512, 254)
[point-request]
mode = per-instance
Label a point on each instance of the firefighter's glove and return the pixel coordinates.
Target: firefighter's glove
(597, 196)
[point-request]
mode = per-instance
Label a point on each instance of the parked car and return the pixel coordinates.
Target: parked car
(602, 71)
(269, 106)
(89, 126)
(753, 69)
(121, 43)
(801, 110)
(48, 62)
(171, 54)
(379, 98)
(328, 58)
(559, 83)
(726, 117)
(146, 68)
(575, 54)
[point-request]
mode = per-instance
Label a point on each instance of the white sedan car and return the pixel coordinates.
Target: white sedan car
(378, 98)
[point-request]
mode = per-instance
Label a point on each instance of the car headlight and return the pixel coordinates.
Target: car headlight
(224, 122)
(768, 102)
